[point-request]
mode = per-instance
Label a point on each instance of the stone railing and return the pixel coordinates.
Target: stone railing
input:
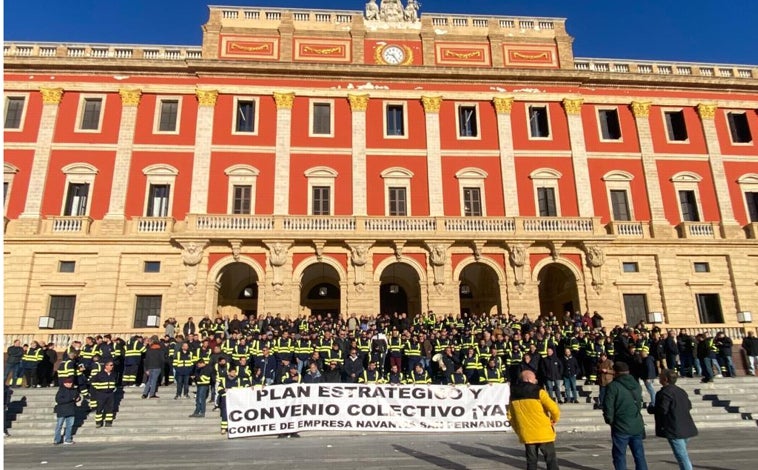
(232, 223)
(699, 230)
(401, 224)
(101, 51)
(479, 224)
(736, 331)
(62, 339)
(684, 69)
(536, 25)
(79, 225)
(152, 225)
(558, 225)
(629, 229)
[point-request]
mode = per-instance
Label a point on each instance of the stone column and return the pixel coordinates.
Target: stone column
(660, 226)
(358, 105)
(113, 222)
(503, 107)
(729, 226)
(573, 109)
(284, 103)
(434, 154)
(201, 164)
(29, 219)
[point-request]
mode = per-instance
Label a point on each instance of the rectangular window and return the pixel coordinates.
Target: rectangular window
(169, 114)
(66, 266)
(398, 202)
(157, 203)
(91, 114)
(631, 267)
(62, 311)
(702, 267)
(675, 126)
(147, 305)
(688, 203)
(321, 201)
(245, 117)
(751, 199)
(539, 126)
(709, 308)
(546, 201)
(620, 203)
(14, 109)
(152, 266)
(472, 202)
(635, 307)
(322, 119)
(610, 128)
(242, 198)
(76, 199)
(395, 120)
(467, 125)
(738, 128)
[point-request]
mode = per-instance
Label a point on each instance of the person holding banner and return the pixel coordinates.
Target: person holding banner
(533, 416)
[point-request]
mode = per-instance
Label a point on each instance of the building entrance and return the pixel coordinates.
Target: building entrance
(320, 291)
(238, 291)
(399, 290)
(479, 290)
(558, 291)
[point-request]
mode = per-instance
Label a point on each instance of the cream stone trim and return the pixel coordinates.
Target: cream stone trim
(434, 157)
(130, 96)
(687, 181)
(748, 184)
(641, 112)
(619, 180)
(241, 175)
(472, 178)
(579, 156)
(24, 108)
(122, 163)
(41, 159)
(406, 126)
(159, 174)
(546, 178)
(79, 173)
(321, 176)
(9, 174)
(201, 161)
(312, 115)
(396, 177)
(546, 106)
(49, 95)
(663, 111)
(470, 153)
(727, 112)
(718, 172)
(477, 119)
(507, 154)
(83, 98)
(235, 109)
(159, 100)
(284, 103)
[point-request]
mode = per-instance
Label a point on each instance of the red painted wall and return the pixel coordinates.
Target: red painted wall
(375, 198)
(21, 159)
(493, 192)
(224, 120)
(182, 188)
(599, 167)
(30, 124)
(734, 171)
(219, 184)
(566, 184)
(415, 126)
(695, 142)
(146, 115)
(371, 45)
(66, 124)
(629, 142)
(55, 185)
(343, 126)
(559, 135)
(667, 169)
(343, 183)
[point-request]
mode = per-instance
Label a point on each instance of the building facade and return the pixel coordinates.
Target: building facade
(311, 161)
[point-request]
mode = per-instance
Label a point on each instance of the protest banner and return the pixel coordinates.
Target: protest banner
(357, 407)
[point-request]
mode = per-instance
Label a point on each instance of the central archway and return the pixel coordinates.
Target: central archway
(238, 290)
(320, 290)
(479, 290)
(558, 290)
(399, 290)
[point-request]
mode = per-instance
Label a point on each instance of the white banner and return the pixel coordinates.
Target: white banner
(291, 408)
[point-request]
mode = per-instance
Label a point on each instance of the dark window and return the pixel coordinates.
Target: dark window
(675, 126)
(472, 202)
(14, 108)
(635, 307)
(610, 128)
(6, 185)
(620, 203)
(321, 200)
(546, 200)
(689, 206)
(738, 127)
(702, 267)
(631, 267)
(66, 266)
(76, 199)
(62, 310)
(242, 199)
(169, 114)
(91, 114)
(751, 198)
(245, 121)
(538, 123)
(398, 202)
(709, 308)
(152, 266)
(322, 118)
(147, 305)
(467, 125)
(157, 200)
(395, 122)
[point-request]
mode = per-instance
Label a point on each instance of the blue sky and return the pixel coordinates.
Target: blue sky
(724, 31)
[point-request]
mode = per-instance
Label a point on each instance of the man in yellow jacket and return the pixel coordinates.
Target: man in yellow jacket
(533, 416)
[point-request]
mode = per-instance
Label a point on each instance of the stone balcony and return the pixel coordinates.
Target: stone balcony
(699, 230)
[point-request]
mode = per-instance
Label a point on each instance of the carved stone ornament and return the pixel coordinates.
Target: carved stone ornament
(206, 97)
(706, 111)
(399, 244)
(236, 248)
(392, 11)
(278, 253)
(318, 245)
(595, 261)
(641, 109)
(284, 100)
(130, 97)
(192, 255)
(573, 106)
(358, 102)
(432, 103)
(51, 95)
(477, 246)
(555, 248)
(438, 259)
(359, 254)
(503, 105)
(517, 256)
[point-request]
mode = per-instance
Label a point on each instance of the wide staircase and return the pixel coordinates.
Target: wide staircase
(726, 403)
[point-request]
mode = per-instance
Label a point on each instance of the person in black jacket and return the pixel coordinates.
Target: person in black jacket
(155, 359)
(671, 350)
(724, 345)
(672, 417)
(551, 369)
(570, 369)
(648, 373)
(13, 368)
(750, 346)
(65, 410)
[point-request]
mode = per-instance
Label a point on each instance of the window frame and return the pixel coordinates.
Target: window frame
(546, 106)
(598, 111)
(477, 121)
(385, 118)
(688, 181)
(748, 184)
(634, 265)
(312, 104)
(317, 177)
(9, 174)
(159, 174)
(727, 114)
(471, 177)
(62, 263)
(136, 306)
(159, 111)
(24, 108)
(146, 263)
(57, 324)
(546, 178)
(669, 131)
(701, 267)
(639, 295)
(256, 114)
(700, 301)
(241, 175)
(81, 109)
(397, 177)
(618, 180)
(79, 173)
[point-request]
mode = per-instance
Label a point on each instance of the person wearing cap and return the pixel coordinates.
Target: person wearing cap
(65, 411)
(621, 410)
(292, 376)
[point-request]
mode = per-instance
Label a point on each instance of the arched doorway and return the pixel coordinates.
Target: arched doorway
(238, 290)
(320, 290)
(399, 290)
(558, 290)
(479, 290)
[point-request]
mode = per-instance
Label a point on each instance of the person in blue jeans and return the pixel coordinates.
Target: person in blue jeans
(65, 411)
(155, 360)
(203, 380)
(673, 420)
(621, 410)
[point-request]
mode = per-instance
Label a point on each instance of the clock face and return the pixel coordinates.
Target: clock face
(393, 55)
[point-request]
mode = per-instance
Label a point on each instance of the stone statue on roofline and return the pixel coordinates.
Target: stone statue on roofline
(392, 11)
(372, 10)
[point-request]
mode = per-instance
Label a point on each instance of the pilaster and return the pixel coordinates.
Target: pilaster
(503, 106)
(358, 105)
(201, 165)
(434, 154)
(284, 103)
(573, 109)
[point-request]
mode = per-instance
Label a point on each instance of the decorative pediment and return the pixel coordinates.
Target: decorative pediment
(686, 177)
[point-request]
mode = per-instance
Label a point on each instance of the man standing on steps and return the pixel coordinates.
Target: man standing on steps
(750, 346)
(155, 359)
(621, 409)
(533, 416)
(202, 378)
(104, 387)
(672, 417)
